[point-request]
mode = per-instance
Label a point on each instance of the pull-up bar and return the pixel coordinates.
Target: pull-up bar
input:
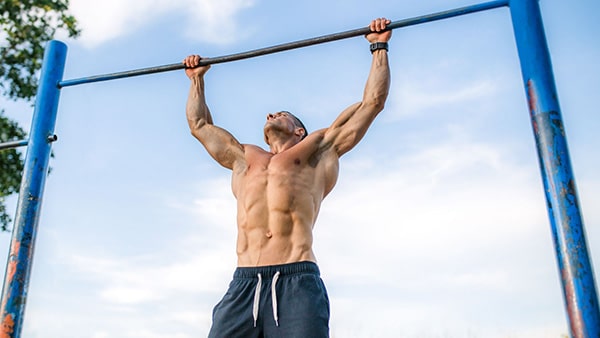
(290, 45)
(23, 143)
(566, 223)
(13, 144)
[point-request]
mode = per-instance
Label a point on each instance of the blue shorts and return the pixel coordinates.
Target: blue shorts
(286, 300)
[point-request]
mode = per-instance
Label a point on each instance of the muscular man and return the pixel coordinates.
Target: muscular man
(276, 289)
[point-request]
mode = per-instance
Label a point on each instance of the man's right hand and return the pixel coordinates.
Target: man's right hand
(191, 66)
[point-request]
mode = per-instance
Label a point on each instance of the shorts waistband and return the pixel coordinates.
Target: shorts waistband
(270, 270)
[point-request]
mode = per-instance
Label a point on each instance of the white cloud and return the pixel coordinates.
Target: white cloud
(472, 188)
(446, 233)
(207, 20)
(414, 98)
(153, 276)
(141, 280)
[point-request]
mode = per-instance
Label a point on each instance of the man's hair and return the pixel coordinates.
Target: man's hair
(298, 123)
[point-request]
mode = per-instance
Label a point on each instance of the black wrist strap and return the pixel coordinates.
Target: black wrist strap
(378, 45)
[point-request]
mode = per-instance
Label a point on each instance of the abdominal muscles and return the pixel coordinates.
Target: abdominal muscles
(276, 215)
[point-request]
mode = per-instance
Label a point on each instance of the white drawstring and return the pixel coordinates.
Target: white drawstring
(256, 304)
(274, 298)
(256, 299)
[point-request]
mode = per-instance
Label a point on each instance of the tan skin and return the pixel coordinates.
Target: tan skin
(279, 192)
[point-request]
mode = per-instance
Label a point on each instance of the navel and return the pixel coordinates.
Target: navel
(297, 161)
(269, 234)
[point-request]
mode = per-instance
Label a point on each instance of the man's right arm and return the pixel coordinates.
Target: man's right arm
(219, 143)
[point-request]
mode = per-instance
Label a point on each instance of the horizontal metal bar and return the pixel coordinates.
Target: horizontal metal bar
(291, 45)
(13, 144)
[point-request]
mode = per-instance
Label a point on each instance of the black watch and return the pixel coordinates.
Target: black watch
(378, 45)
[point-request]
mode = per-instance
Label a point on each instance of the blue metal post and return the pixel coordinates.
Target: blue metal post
(577, 276)
(18, 267)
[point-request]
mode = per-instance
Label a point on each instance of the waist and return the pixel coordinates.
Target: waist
(268, 271)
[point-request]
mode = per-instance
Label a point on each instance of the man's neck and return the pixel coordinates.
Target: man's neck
(278, 146)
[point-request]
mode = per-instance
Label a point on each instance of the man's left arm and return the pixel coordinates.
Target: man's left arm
(352, 124)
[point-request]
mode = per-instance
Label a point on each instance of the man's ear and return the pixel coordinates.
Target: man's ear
(300, 132)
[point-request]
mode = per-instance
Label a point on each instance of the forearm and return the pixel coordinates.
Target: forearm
(351, 125)
(197, 112)
(378, 82)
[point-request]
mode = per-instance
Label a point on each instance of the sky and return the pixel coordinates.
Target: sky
(437, 226)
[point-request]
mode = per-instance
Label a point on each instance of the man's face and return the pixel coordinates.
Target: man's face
(282, 121)
(272, 117)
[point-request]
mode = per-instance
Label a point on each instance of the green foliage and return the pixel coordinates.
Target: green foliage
(11, 165)
(26, 27)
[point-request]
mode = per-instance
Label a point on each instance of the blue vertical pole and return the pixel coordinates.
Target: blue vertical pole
(18, 267)
(576, 273)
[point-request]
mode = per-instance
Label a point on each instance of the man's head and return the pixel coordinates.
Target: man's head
(285, 120)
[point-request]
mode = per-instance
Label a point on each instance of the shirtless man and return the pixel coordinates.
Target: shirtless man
(276, 289)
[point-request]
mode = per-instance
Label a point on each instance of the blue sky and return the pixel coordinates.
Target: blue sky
(437, 227)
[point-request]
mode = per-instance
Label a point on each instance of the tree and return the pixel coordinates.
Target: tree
(27, 25)
(11, 166)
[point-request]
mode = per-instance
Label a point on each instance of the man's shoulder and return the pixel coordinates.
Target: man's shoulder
(320, 132)
(315, 136)
(253, 148)
(253, 152)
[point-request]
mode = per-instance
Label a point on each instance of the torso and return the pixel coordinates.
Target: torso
(278, 200)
